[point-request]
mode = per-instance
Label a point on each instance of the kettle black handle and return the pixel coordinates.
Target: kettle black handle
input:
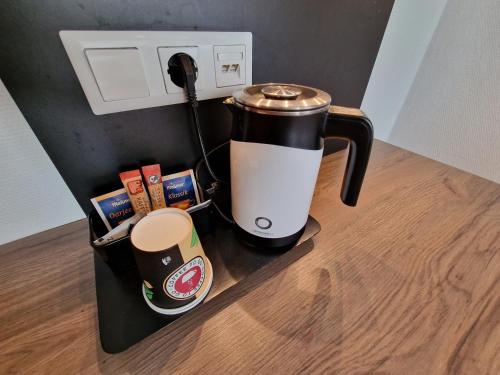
(353, 125)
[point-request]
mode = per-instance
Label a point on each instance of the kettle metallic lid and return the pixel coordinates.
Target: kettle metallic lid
(282, 97)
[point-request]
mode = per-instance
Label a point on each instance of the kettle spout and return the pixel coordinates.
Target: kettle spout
(229, 103)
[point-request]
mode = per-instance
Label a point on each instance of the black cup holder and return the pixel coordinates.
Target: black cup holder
(118, 254)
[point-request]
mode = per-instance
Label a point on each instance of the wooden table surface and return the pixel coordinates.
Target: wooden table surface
(408, 282)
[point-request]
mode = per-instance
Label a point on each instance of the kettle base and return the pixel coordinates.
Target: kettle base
(268, 244)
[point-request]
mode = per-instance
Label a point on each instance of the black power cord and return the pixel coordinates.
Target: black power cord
(183, 72)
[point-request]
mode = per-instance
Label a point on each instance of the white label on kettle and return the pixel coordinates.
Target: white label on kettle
(272, 187)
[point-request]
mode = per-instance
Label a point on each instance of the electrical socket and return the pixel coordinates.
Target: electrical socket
(165, 53)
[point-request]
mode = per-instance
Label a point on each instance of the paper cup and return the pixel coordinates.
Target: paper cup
(176, 273)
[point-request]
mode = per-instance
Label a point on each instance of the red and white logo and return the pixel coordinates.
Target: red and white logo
(135, 187)
(187, 280)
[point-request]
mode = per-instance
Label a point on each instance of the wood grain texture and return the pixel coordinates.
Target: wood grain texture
(408, 282)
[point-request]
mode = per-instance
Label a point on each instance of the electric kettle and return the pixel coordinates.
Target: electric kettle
(276, 148)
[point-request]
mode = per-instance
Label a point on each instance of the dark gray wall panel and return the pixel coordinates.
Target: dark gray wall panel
(331, 45)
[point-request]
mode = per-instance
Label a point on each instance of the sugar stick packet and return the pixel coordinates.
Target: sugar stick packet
(152, 175)
(113, 208)
(132, 180)
(180, 190)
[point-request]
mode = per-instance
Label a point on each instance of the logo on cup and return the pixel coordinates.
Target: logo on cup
(187, 280)
(166, 260)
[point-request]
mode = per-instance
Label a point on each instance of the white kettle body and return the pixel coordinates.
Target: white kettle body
(271, 191)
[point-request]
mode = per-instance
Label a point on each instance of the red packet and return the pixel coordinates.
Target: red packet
(132, 181)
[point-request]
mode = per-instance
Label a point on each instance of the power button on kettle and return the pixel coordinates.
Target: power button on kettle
(263, 222)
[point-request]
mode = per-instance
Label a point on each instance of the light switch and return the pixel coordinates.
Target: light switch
(229, 65)
(118, 72)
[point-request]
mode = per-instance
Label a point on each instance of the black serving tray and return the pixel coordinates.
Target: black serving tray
(124, 317)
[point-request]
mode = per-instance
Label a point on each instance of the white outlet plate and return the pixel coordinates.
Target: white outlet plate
(144, 54)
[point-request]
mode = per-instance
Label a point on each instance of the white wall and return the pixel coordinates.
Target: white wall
(407, 36)
(33, 196)
(450, 110)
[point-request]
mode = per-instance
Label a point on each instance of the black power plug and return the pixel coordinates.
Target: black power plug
(183, 73)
